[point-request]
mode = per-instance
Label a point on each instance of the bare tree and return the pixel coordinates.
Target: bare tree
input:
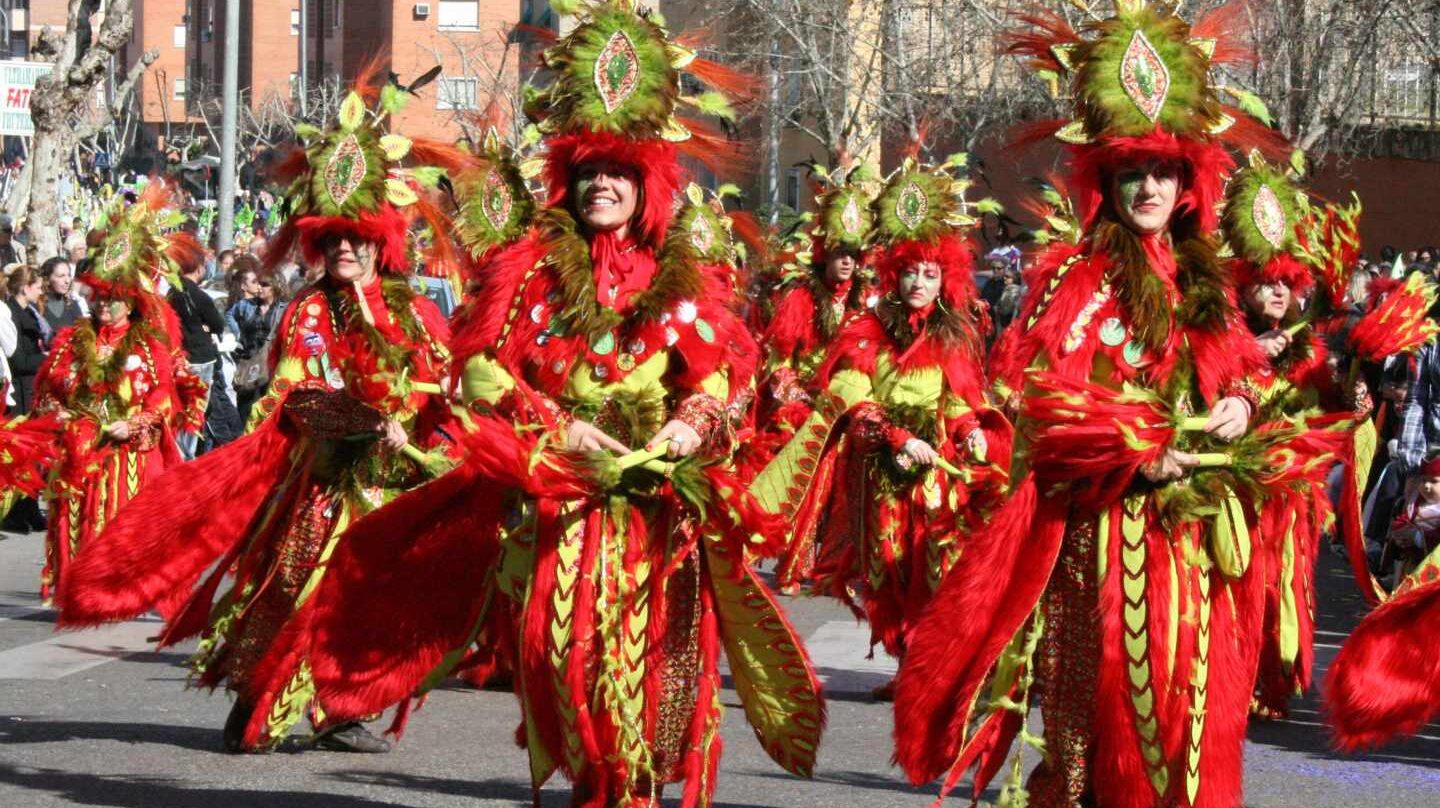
(64, 112)
(497, 81)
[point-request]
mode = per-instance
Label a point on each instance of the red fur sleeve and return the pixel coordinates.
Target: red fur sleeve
(856, 348)
(1225, 358)
(793, 326)
(54, 378)
(479, 323)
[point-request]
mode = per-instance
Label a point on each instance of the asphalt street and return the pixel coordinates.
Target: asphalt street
(95, 718)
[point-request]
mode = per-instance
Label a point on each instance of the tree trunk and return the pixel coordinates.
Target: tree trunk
(49, 161)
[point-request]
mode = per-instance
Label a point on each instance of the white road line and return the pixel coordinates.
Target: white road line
(71, 653)
(838, 650)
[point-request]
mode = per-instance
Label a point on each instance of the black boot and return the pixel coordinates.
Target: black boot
(234, 732)
(351, 737)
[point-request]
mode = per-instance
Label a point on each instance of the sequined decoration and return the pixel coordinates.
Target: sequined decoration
(850, 217)
(1144, 76)
(1068, 672)
(498, 202)
(1076, 335)
(118, 253)
(617, 71)
(702, 235)
(345, 170)
(1269, 216)
(912, 206)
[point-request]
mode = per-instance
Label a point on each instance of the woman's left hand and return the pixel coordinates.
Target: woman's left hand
(1229, 418)
(118, 431)
(392, 435)
(682, 438)
(977, 444)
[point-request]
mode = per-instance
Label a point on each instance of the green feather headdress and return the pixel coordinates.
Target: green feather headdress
(143, 242)
(1143, 68)
(496, 204)
(1262, 208)
(619, 72)
(707, 227)
(923, 203)
(845, 218)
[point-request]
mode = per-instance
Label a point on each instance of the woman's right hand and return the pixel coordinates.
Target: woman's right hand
(1172, 465)
(917, 452)
(583, 436)
(1273, 342)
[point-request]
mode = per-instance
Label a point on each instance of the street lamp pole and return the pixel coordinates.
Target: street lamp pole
(230, 100)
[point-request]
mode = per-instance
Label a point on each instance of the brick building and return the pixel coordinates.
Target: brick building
(469, 39)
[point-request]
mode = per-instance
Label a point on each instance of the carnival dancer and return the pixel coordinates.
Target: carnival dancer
(1264, 210)
(1114, 585)
(359, 359)
(825, 287)
(117, 379)
(599, 333)
(890, 473)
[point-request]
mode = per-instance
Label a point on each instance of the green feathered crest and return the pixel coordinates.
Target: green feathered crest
(845, 218)
(1140, 69)
(138, 240)
(355, 166)
(495, 200)
(1263, 205)
(923, 202)
(618, 71)
(704, 223)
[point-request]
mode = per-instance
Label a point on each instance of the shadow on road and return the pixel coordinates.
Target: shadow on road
(159, 792)
(23, 730)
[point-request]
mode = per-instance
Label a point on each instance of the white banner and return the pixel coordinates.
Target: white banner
(17, 80)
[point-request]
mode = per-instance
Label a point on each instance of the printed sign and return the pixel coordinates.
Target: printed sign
(17, 81)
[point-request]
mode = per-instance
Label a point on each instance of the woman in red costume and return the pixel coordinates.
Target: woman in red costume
(823, 294)
(1297, 390)
(118, 381)
(1113, 588)
(359, 359)
(605, 331)
(890, 471)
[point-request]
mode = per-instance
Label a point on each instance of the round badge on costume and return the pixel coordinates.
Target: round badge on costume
(1112, 332)
(1133, 354)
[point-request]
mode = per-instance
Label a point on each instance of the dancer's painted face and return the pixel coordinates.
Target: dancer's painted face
(1144, 195)
(920, 284)
(349, 260)
(606, 195)
(1270, 300)
(111, 311)
(840, 267)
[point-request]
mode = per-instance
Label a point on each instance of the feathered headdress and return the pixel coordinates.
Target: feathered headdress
(1263, 208)
(142, 244)
(844, 216)
(1142, 89)
(494, 197)
(352, 180)
(615, 94)
(922, 215)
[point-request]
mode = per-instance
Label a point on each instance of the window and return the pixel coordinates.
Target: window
(179, 89)
(294, 22)
(792, 189)
(459, 14)
(457, 93)
(178, 36)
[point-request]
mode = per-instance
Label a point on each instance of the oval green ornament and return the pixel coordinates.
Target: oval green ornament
(705, 331)
(603, 345)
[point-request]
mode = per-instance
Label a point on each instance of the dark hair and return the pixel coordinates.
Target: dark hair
(244, 264)
(48, 268)
(221, 256)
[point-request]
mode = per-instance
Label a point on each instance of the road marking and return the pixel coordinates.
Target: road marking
(838, 650)
(71, 653)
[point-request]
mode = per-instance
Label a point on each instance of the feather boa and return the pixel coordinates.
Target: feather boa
(1385, 682)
